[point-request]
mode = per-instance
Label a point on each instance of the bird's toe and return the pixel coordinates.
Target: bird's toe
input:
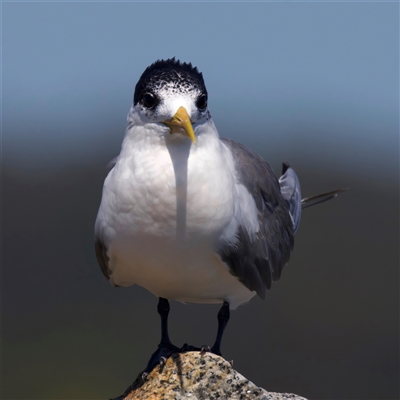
(204, 349)
(188, 347)
(160, 356)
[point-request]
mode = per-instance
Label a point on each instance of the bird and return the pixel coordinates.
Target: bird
(188, 215)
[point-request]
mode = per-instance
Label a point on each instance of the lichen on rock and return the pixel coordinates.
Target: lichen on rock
(198, 376)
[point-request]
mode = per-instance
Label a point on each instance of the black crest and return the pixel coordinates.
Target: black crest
(181, 77)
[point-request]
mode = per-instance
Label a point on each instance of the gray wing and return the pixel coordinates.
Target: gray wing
(100, 247)
(101, 254)
(258, 262)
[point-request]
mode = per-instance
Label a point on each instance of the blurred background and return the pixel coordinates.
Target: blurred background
(314, 84)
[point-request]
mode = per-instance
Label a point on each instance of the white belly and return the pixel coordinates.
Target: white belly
(163, 222)
(177, 271)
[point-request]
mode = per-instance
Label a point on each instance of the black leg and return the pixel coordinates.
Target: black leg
(165, 348)
(223, 318)
(163, 309)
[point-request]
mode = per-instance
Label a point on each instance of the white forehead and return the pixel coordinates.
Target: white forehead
(171, 99)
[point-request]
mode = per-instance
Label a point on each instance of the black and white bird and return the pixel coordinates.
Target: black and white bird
(188, 215)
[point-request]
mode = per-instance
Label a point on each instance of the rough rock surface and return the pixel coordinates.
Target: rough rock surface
(197, 376)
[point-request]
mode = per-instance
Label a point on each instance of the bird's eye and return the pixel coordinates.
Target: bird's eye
(149, 101)
(201, 102)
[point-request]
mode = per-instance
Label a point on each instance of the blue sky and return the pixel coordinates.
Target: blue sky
(312, 83)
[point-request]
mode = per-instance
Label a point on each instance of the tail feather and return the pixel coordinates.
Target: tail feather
(290, 190)
(320, 198)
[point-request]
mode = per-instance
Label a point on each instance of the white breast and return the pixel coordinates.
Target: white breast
(167, 207)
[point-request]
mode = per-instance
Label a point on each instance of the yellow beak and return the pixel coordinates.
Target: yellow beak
(180, 123)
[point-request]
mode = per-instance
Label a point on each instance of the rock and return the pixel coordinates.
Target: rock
(197, 376)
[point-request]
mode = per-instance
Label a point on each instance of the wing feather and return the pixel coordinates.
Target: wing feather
(259, 261)
(101, 254)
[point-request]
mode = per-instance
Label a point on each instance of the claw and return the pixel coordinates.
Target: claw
(144, 376)
(231, 362)
(162, 361)
(184, 348)
(204, 349)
